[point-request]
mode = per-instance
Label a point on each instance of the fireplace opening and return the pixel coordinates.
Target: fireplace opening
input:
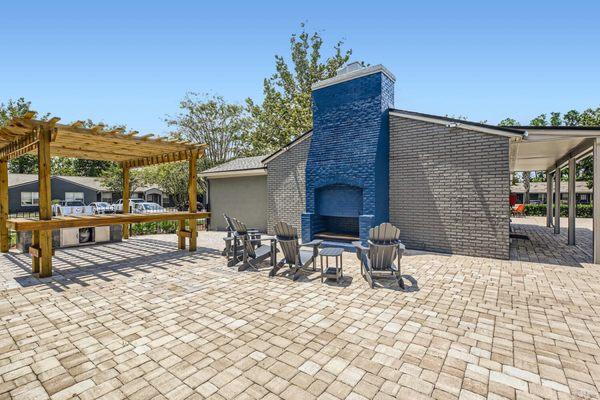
(342, 229)
(338, 207)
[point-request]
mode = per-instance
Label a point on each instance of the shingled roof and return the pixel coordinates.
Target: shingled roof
(86, 181)
(239, 166)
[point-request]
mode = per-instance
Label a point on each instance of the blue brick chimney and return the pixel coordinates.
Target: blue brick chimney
(347, 170)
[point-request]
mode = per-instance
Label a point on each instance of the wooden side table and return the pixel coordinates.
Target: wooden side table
(332, 272)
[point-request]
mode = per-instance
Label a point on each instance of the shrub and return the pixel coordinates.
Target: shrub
(539, 210)
(150, 228)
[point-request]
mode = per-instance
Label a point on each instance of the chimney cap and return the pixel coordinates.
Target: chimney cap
(350, 67)
(351, 71)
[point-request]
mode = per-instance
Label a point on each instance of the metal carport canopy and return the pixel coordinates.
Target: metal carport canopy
(550, 149)
(542, 148)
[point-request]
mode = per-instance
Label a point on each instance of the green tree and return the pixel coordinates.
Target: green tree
(588, 117)
(26, 164)
(112, 179)
(508, 122)
(571, 118)
(172, 180)
(555, 119)
(286, 110)
(211, 120)
(540, 120)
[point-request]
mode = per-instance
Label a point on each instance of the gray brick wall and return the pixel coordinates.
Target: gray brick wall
(286, 188)
(449, 188)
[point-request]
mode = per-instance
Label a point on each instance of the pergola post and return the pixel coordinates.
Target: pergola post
(548, 199)
(557, 200)
(44, 250)
(125, 200)
(193, 194)
(596, 223)
(572, 202)
(4, 239)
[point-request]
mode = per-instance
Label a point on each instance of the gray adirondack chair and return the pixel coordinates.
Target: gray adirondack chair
(384, 248)
(233, 247)
(253, 251)
(294, 255)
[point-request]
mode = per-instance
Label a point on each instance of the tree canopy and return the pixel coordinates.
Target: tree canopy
(27, 164)
(211, 120)
(285, 111)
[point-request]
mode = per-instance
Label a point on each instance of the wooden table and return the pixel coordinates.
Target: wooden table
(333, 272)
(89, 221)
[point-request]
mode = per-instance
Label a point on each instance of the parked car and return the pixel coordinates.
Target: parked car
(186, 206)
(118, 205)
(71, 207)
(147, 207)
(101, 207)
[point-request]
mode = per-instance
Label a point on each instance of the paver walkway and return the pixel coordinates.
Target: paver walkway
(544, 246)
(154, 322)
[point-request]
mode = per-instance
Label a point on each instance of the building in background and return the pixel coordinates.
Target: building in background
(238, 188)
(537, 192)
(444, 182)
(23, 192)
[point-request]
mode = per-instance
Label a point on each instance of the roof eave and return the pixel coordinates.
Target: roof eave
(454, 123)
(235, 173)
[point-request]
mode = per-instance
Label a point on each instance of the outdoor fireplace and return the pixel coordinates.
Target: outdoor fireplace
(347, 165)
(337, 208)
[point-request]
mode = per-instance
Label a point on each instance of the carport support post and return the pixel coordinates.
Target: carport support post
(596, 230)
(4, 239)
(548, 199)
(45, 201)
(125, 200)
(557, 200)
(572, 202)
(193, 199)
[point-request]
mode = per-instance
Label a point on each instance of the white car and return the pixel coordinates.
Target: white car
(71, 207)
(118, 206)
(101, 207)
(144, 208)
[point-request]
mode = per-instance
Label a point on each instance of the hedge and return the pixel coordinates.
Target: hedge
(150, 228)
(539, 210)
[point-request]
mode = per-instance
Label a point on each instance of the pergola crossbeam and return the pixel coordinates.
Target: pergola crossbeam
(49, 138)
(20, 146)
(161, 159)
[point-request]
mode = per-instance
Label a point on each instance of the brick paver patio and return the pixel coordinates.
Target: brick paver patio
(153, 322)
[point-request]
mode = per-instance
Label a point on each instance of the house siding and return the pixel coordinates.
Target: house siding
(244, 198)
(286, 186)
(449, 188)
(58, 187)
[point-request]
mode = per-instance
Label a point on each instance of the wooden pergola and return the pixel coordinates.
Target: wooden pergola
(129, 149)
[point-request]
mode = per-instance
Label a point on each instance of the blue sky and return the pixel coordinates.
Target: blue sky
(131, 62)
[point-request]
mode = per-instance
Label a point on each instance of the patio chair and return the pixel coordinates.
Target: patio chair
(233, 246)
(294, 255)
(383, 249)
(253, 251)
(518, 210)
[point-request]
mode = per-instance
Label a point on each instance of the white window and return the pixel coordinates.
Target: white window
(30, 198)
(74, 196)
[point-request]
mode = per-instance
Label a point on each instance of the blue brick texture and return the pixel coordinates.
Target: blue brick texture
(350, 146)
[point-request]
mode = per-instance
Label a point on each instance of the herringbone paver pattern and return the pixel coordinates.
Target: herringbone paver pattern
(158, 323)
